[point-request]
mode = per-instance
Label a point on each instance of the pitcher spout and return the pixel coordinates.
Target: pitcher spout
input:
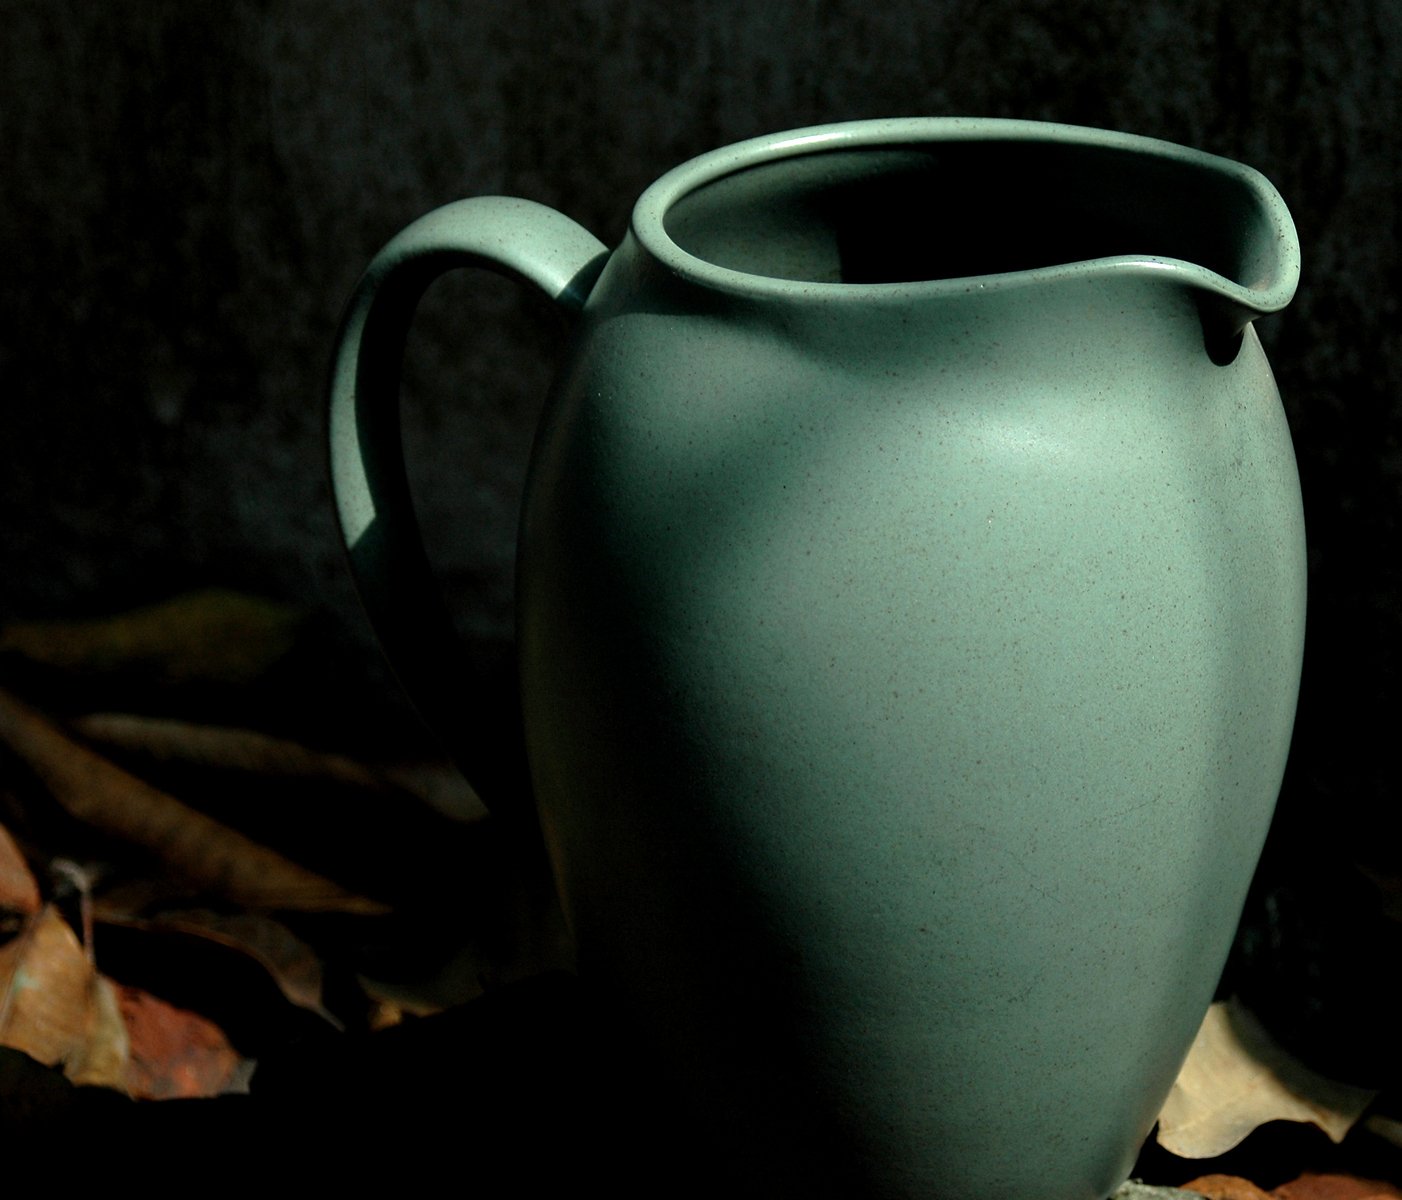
(1231, 242)
(1256, 271)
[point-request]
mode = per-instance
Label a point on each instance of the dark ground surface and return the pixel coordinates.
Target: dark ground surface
(555, 1096)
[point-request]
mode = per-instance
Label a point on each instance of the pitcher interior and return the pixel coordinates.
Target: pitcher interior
(892, 214)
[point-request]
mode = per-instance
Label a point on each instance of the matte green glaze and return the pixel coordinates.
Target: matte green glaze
(911, 604)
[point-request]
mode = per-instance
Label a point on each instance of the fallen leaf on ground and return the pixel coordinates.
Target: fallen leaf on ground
(44, 978)
(167, 740)
(214, 636)
(53, 1004)
(205, 851)
(176, 1054)
(19, 893)
(1237, 1078)
(292, 965)
(1311, 1186)
(103, 1059)
(1226, 1187)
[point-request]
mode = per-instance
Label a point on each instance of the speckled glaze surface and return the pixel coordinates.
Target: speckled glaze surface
(911, 605)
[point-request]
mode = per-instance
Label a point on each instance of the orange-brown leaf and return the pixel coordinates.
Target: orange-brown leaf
(205, 851)
(1226, 1187)
(19, 893)
(175, 1054)
(1311, 1186)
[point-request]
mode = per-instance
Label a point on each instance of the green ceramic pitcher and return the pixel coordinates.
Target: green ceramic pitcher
(910, 612)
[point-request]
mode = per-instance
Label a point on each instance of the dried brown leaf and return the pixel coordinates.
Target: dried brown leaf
(175, 1053)
(213, 636)
(1311, 1186)
(167, 740)
(292, 965)
(46, 991)
(1226, 1187)
(201, 849)
(19, 893)
(1237, 1078)
(104, 1057)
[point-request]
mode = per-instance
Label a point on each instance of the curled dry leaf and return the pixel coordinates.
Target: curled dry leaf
(208, 853)
(1237, 1078)
(19, 893)
(54, 1006)
(291, 964)
(213, 636)
(167, 740)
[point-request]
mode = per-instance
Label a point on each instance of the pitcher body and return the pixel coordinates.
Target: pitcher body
(910, 613)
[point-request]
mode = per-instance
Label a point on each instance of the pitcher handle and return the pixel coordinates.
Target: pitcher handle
(516, 238)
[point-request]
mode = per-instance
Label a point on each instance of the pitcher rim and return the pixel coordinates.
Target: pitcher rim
(648, 221)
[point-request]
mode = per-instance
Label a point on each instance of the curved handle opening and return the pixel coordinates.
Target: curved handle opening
(479, 728)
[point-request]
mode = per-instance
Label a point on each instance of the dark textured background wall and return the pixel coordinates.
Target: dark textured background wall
(190, 189)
